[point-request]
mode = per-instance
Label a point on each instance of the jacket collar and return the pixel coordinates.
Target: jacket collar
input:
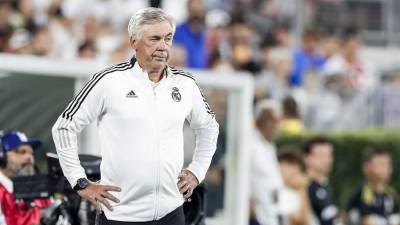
(139, 70)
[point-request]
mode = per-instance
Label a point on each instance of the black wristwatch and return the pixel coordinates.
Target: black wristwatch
(81, 184)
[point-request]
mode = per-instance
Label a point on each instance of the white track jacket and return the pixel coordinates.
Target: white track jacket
(141, 137)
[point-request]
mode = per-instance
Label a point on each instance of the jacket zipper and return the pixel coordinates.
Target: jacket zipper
(158, 156)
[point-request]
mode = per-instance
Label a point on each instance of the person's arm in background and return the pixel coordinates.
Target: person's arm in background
(202, 120)
(303, 215)
(83, 109)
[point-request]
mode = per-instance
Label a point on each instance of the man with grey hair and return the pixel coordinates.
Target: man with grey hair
(140, 108)
(266, 179)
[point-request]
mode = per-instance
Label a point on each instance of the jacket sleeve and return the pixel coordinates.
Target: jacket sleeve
(80, 112)
(206, 129)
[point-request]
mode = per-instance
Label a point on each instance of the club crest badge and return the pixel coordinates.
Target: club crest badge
(176, 96)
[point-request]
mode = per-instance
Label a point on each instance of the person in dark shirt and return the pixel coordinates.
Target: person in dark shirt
(318, 157)
(375, 202)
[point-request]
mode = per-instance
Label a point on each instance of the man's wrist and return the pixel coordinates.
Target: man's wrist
(194, 175)
(81, 184)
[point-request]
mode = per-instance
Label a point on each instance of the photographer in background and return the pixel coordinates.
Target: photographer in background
(16, 159)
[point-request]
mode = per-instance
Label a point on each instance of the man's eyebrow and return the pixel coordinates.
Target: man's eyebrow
(160, 36)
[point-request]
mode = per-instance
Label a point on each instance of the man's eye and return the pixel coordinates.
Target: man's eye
(21, 151)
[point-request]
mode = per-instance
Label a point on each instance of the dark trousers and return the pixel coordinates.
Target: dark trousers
(175, 217)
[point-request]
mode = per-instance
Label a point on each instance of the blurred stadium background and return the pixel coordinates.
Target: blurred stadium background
(337, 60)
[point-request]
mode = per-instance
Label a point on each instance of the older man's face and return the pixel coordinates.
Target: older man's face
(154, 46)
(269, 123)
(20, 161)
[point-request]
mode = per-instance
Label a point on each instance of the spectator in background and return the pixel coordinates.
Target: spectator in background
(218, 34)
(359, 73)
(375, 202)
(19, 43)
(5, 26)
(292, 169)
(282, 35)
(330, 44)
(42, 44)
(91, 28)
(277, 65)
(307, 58)
(87, 50)
(318, 157)
(242, 45)
(267, 45)
(266, 76)
(266, 179)
(218, 63)
(65, 41)
(192, 35)
(291, 123)
(24, 16)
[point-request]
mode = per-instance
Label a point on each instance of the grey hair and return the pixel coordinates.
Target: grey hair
(267, 104)
(147, 16)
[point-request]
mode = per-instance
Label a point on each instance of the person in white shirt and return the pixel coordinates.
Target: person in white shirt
(266, 179)
(140, 108)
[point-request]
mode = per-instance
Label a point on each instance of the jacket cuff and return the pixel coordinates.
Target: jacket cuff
(196, 171)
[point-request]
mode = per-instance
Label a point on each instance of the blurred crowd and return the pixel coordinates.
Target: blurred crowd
(319, 66)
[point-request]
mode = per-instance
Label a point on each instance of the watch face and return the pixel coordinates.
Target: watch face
(82, 183)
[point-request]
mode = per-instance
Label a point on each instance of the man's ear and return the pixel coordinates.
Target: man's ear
(133, 42)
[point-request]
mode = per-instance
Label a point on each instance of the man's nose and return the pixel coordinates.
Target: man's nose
(162, 45)
(29, 157)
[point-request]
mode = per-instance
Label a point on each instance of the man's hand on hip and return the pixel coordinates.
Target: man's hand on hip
(97, 193)
(187, 183)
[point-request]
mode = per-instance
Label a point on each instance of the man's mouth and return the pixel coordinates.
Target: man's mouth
(27, 165)
(156, 56)
(159, 57)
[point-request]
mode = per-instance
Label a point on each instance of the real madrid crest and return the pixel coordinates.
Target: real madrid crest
(176, 96)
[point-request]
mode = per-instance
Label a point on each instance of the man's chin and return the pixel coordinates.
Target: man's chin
(25, 172)
(159, 63)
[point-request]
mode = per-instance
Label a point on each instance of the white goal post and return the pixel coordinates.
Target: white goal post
(240, 92)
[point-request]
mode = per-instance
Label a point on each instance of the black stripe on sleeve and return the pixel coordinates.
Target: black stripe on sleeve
(77, 101)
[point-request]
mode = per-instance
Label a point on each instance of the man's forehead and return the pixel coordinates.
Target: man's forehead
(157, 28)
(380, 157)
(317, 147)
